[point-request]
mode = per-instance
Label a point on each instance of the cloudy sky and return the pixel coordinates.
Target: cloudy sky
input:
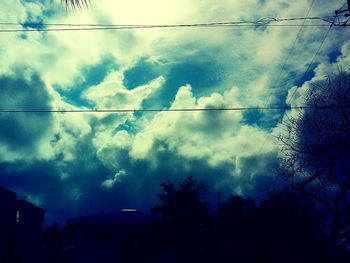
(83, 163)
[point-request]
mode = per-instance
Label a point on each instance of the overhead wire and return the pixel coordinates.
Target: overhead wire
(317, 52)
(147, 27)
(261, 21)
(57, 27)
(335, 18)
(295, 40)
(312, 61)
(274, 108)
(287, 59)
(290, 52)
(266, 21)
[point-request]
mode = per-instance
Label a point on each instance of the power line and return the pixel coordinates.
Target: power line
(296, 39)
(312, 61)
(270, 108)
(318, 50)
(294, 43)
(315, 55)
(264, 22)
(288, 56)
(146, 27)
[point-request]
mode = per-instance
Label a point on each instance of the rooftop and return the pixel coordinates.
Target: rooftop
(124, 215)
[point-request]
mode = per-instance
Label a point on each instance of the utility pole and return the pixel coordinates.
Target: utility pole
(219, 201)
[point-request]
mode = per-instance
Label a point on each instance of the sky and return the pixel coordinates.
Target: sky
(75, 164)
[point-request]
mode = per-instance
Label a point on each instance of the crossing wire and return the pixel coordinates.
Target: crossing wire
(264, 22)
(273, 108)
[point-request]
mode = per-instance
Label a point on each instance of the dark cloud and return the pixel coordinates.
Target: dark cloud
(63, 188)
(23, 91)
(71, 181)
(259, 175)
(142, 181)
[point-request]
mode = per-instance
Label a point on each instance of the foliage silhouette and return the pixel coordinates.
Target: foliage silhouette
(237, 210)
(183, 212)
(280, 229)
(183, 203)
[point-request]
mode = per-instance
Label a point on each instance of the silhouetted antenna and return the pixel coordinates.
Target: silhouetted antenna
(219, 201)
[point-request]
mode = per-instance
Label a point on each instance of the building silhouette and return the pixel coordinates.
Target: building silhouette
(105, 237)
(21, 225)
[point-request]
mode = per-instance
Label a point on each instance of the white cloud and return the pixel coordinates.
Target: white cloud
(216, 137)
(152, 11)
(109, 183)
(112, 94)
(250, 68)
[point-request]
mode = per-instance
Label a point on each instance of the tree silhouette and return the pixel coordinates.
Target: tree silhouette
(183, 212)
(183, 203)
(316, 151)
(286, 230)
(237, 210)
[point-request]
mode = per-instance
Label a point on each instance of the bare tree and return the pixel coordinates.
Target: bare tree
(316, 151)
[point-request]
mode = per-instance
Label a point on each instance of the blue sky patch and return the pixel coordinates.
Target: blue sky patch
(93, 75)
(333, 56)
(143, 72)
(307, 76)
(128, 126)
